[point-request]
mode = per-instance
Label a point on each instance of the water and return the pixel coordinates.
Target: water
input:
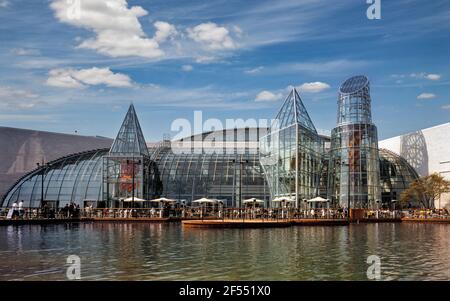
(138, 251)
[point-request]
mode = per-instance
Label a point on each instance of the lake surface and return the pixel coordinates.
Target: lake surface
(138, 251)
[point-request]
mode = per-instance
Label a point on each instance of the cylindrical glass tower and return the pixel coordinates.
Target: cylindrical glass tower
(354, 168)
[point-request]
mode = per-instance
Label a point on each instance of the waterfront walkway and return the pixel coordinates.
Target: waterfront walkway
(225, 218)
(262, 223)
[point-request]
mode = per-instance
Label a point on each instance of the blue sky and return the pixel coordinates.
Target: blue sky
(66, 67)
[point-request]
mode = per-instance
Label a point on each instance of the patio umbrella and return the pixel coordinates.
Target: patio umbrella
(282, 199)
(205, 201)
(318, 200)
(163, 200)
(130, 199)
(252, 200)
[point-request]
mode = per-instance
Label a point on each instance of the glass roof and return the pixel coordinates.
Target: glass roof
(130, 139)
(73, 178)
(293, 111)
(354, 84)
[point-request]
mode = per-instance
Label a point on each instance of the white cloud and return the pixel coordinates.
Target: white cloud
(254, 70)
(117, 28)
(17, 98)
(433, 76)
(71, 78)
(238, 31)
(27, 117)
(446, 107)
(6, 92)
(24, 51)
(187, 68)
(426, 96)
(205, 59)
(429, 76)
(212, 36)
(313, 87)
(164, 31)
(4, 3)
(268, 96)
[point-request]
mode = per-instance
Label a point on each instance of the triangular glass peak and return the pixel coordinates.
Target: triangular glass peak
(293, 111)
(130, 139)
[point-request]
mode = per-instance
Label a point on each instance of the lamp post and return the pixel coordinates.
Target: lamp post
(241, 163)
(348, 188)
(132, 179)
(42, 167)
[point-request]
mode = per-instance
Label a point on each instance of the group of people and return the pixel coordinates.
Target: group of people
(71, 210)
(17, 210)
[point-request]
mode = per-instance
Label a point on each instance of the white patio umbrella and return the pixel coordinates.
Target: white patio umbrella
(205, 201)
(130, 199)
(283, 199)
(318, 200)
(163, 200)
(252, 201)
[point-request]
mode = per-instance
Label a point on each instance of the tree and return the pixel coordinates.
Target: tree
(426, 190)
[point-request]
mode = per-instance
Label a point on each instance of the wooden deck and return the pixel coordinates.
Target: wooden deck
(319, 222)
(7, 222)
(260, 223)
(132, 219)
(427, 220)
(227, 223)
(235, 223)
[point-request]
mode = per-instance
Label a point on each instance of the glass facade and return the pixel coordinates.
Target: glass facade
(127, 168)
(229, 172)
(289, 159)
(225, 176)
(291, 154)
(396, 174)
(354, 172)
(75, 178)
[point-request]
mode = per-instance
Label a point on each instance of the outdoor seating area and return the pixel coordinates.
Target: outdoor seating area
(283, 208)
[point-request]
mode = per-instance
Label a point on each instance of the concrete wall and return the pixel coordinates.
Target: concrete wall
(427, 150)
(21, 149)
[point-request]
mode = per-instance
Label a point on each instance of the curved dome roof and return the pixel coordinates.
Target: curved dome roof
(71, 178)
(396, 174)
(354, 84)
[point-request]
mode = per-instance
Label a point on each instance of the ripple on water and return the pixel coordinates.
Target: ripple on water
(169, 252)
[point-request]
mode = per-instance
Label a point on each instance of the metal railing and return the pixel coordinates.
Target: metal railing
(213, 213)
(427, 214)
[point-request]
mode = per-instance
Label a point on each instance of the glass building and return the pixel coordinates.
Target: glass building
(291, 154)
(395, 176)
(289, 159)
(354, 169)
(76, 177)
(128, 171)
(230, 173)
(225, 167)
